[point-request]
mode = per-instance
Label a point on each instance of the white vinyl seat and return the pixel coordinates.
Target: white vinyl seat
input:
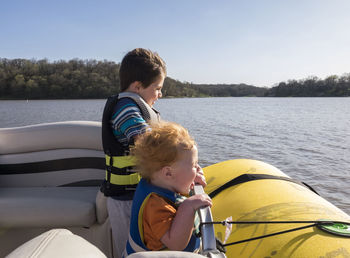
(47, 207)
(57, 243)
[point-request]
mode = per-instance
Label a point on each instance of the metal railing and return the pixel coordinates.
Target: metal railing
(207, 230)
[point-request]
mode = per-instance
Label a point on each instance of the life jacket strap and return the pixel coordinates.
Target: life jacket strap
(120, 161)
(131, 179)
(118, 170)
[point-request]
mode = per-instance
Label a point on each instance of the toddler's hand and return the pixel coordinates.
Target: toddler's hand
(200, 179)
(197, 201)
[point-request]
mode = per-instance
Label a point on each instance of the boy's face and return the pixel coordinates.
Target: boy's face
(185, 169)
(153, 91)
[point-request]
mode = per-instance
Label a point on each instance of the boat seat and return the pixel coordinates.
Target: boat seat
(48, 207)
(57, 243)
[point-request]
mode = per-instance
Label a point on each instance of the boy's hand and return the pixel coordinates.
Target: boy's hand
(200, 179)
(197, 201)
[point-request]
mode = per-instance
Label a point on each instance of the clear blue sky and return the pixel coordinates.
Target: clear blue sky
(259, 42)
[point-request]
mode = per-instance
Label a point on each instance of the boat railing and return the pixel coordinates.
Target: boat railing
(207, 230)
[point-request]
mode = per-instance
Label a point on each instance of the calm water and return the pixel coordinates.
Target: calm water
(307, 138)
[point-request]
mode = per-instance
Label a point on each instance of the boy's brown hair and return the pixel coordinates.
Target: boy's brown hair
(141, 65)
(160, 147)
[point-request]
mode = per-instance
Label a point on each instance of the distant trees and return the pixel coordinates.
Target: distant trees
(230, 90)
(174, 88)
(31, 79)
(332, 86)
(41, 79)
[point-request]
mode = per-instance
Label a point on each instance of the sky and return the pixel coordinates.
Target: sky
(257, 42)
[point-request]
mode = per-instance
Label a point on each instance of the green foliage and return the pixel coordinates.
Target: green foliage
(230, 90)
(40, 79)
(86, 79)
(31, 79)
(332, 86)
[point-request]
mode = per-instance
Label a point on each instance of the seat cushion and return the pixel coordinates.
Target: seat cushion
(57, 243)
(47, 207)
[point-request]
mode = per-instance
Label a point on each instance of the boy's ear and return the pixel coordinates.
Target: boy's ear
(135, 86)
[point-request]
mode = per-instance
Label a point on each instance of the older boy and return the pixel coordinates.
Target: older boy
(127, 115)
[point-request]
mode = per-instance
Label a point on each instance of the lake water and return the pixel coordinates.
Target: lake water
(307, 138)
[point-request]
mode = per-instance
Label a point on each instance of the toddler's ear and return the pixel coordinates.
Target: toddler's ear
(167, 172)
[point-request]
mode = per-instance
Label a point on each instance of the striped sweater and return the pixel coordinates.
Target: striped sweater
(127, 121)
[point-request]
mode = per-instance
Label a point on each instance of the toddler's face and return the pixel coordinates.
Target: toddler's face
(185, 169)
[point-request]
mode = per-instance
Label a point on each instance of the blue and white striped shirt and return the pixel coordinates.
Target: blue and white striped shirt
(127, 121)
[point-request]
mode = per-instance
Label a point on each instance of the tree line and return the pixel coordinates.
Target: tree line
(79, 79)
(332, 86)
(41, 79)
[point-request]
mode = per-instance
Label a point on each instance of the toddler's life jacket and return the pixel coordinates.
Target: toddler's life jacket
(144, 190)
(120, 175)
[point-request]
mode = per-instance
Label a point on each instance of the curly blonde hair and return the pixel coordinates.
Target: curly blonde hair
(160, 147)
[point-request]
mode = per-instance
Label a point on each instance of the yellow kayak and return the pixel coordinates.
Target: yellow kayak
(256, 192)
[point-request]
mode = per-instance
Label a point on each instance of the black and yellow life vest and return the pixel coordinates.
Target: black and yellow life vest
(121, 178)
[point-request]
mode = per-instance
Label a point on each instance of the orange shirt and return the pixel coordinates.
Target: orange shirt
(158, 214)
